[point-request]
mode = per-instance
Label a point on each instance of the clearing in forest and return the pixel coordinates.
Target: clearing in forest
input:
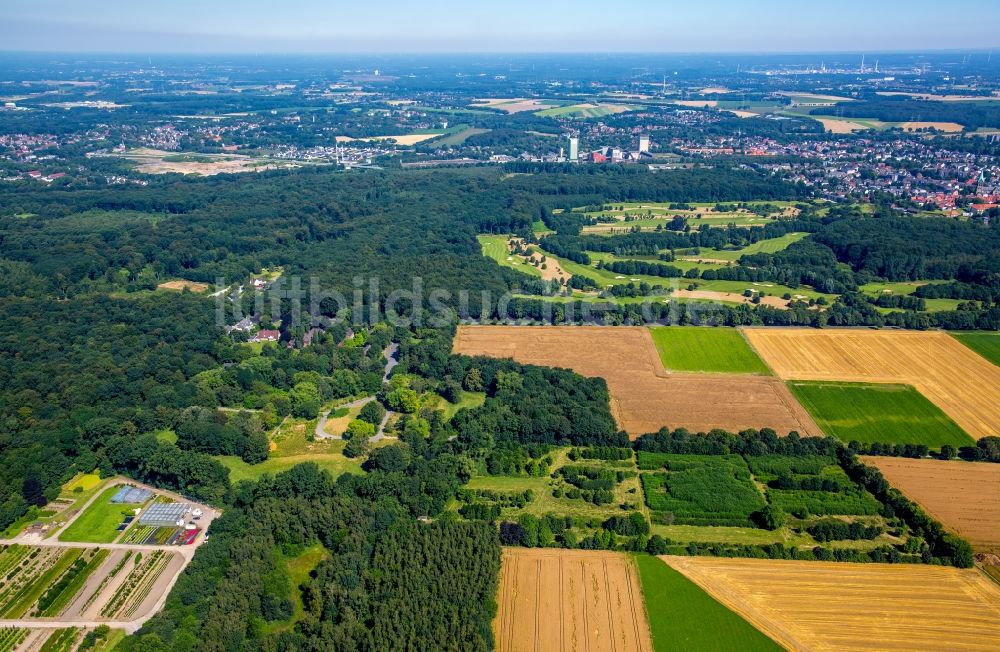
(960, 382)
(964, 496)
(178, 286)
(644, 397)
(564, 600)
(809, 605)
(888, 414)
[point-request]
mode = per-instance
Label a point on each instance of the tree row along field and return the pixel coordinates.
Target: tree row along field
(82, 583)
(645, 397)
(964, 496)
(838, 606)
(953, 377)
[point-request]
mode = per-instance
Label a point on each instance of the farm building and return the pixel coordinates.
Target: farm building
(129, 495)
(164, 514)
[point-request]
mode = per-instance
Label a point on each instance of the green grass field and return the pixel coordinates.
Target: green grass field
(454, 138)
(335, 463)
(495, 247)
(891, 414)
(581, 111)
(99, 523)
(985, 344)
(771, 246)
(683, 617)
(694, 348)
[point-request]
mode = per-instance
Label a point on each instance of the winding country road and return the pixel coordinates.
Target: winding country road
(389, 353)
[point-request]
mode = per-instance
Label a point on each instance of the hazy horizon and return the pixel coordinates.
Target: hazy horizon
(446, 27)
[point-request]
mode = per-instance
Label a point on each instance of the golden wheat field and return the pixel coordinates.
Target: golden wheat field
(949, 374)
(644, 396)
(808, 605)
(964, 496)
(570, 601)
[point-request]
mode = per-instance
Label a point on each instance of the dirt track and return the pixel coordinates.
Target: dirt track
(644, 397)
(964, 496)
(808, 605)
(946, 372)
(569, 601)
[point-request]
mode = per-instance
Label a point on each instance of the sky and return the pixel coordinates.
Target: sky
(439, 26)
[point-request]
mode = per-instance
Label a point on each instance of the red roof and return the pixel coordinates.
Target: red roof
(268, 335)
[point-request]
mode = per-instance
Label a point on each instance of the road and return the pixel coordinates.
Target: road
(389, 353)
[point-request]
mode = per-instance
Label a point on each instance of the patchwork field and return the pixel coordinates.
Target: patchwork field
(683, 617)
(693, 348)
(985, 344)
(841, 606)
(566, 600)
(964, 496)
(889, 414)
(960, 382)
(644, 397)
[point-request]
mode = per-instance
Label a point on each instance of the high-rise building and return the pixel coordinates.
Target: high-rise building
(574, 149)
(643, 143)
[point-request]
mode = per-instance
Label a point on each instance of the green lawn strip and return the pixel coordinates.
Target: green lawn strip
(704, 349)
(684, 617)
(31, 591)
(731, 535)
(73, 585)
(868, 413)
(335, 463)
(99, 523)
(985, 344)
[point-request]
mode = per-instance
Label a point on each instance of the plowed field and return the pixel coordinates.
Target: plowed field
(964, 496)
(570, 601)
(960, 382)
(644, 397)
(808, 605)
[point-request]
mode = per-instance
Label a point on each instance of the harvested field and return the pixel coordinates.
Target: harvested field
(807, 605)
(964, 496)
(569, 600)
(644, 397)
(178, 286)
(948, 127)
(403, 139)
(960, 382)
(839, 126)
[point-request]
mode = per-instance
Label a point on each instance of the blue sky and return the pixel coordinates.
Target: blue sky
(499, 26)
